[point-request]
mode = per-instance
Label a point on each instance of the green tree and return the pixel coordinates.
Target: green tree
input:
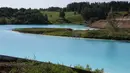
(62, 14)
(3, 20)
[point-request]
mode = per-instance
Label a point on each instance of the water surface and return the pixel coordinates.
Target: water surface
(113, 56)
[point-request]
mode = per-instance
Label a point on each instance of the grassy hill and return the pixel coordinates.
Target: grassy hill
(53, 17)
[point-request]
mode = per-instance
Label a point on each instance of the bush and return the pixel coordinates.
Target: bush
(88, 68)
(33, 67)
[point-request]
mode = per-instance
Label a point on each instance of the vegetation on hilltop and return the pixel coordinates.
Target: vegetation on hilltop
(97, 10)
(81, 12)
(76, 12)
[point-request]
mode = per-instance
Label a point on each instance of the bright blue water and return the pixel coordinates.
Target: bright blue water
(113, 56)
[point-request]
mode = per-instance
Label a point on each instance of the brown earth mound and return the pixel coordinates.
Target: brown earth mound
(102, 24)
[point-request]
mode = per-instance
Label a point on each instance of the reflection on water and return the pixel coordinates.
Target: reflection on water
(111, 51)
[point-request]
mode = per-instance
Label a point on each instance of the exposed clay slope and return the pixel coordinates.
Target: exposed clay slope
(122, 23)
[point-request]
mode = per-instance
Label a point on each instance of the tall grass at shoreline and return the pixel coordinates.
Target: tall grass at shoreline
(124, 34)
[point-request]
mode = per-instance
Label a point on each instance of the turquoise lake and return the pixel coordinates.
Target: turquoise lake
(113, 56)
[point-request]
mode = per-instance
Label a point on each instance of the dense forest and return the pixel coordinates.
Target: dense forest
(98, 10)
(95, 10)
(22, 16)
(89, 11)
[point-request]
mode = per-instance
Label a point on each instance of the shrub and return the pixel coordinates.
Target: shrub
(33, 67)
(88, 68)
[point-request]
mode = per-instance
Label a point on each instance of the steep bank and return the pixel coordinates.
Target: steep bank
(10, 64)
(122, 23)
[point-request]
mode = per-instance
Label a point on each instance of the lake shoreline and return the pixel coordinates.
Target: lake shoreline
(67, 32)
(128, 41)
(45, 24)
(48, 48)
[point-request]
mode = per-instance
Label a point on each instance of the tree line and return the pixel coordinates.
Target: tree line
(89, 11)
(22, 16)
(97, 10)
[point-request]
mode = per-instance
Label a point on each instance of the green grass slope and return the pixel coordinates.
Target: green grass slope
(54, 16)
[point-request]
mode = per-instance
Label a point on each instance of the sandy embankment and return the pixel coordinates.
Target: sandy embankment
(122, 23)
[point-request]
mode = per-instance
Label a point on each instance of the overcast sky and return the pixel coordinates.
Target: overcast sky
(41, 3)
